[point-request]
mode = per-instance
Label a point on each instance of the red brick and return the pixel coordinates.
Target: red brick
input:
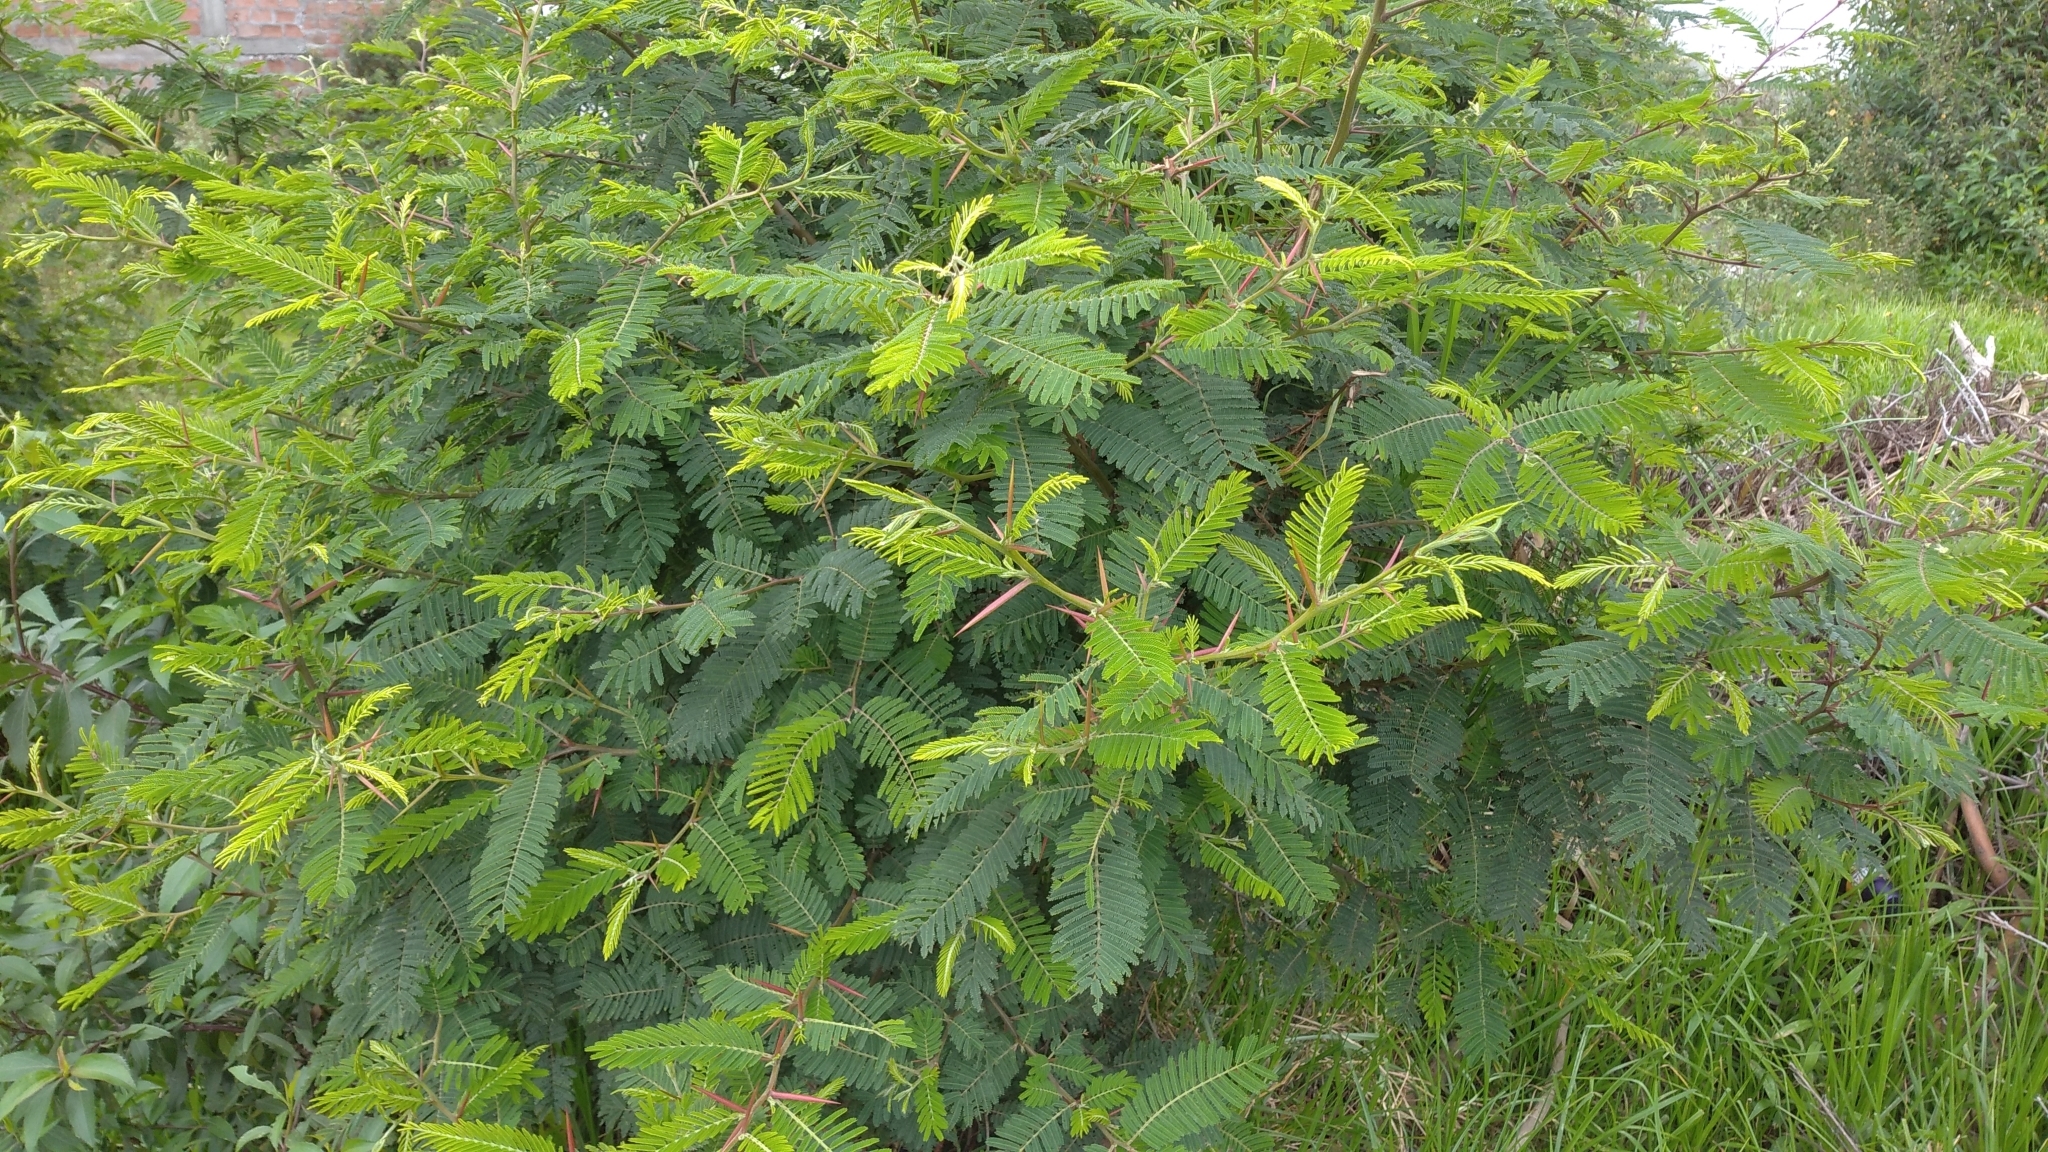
(274, 30)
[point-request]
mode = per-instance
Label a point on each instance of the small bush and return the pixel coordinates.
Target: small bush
(1941, 114)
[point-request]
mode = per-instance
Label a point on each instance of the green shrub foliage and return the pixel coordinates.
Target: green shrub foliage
(62, 321)
(733, 577)
(1941, 114)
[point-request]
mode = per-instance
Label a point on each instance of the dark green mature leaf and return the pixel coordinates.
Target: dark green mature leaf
(1100, 925)
(1199, 1088)
(417, 833)
(1402, 425)
(516, 851)
(1355, 931)
(1649, 786)
(1420, 736)
(977, 859)
(1590, 670)
(1036, 1129)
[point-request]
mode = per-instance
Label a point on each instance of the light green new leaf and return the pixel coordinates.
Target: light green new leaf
(738, 163)
(927, 348)
(1035, 207)
(1907, 576)
(1304, 711)
(780, 784)
(246, 534)
(1288, 862)
(561, 895)
(1319, 532)
(1128, 646)
(1255, 558)
(1148, 745)
(1188, 538)
(692, 1129)
(711, 1043)
(477, 1136)
(1783, 803)
(577, 366)
(1203, 1086)
(1560, 475)
(1056, 485)
(889, 142)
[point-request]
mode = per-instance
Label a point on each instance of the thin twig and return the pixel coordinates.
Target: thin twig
(1826, 1109)
(2000, 921)
(1540, 1111)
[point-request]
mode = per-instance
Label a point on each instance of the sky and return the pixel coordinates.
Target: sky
(1780, 20)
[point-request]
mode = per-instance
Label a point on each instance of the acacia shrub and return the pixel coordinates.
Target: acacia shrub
(729, 576)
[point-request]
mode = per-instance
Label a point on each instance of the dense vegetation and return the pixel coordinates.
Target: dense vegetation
(690, 576)
(61, 321)
(1940, 110)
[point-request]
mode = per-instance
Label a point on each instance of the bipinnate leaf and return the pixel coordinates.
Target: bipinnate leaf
(1197, 1089)
(1055, 369)
(1319, 532)
(478, 1136)
(516, 850)
(711, 1044)
(1305, 716)
(561, 895)
(245, 535)
(1590, 670)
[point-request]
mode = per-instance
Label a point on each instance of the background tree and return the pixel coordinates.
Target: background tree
(1940, 114)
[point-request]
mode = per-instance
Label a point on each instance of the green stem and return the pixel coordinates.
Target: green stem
(1350, 106)
(1010, 553)
(1443, 359)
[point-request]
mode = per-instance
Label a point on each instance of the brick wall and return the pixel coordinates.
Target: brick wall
(279, 32)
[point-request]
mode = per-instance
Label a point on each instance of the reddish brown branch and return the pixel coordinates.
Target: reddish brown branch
(1980, 846)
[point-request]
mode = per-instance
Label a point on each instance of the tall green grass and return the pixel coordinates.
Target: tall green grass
(1904, 1021)
(1863, 1023)
(1891, 309)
